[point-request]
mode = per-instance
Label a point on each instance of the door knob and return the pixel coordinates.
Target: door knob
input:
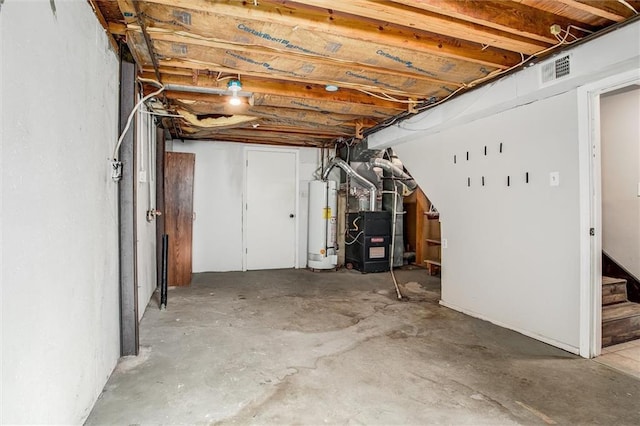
(291, 215)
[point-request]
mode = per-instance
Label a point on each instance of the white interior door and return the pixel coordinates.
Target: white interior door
(270, 209)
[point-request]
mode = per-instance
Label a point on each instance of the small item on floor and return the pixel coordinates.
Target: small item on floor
(408, 257)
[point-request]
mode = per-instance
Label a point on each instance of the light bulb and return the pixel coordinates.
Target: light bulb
(235, 100)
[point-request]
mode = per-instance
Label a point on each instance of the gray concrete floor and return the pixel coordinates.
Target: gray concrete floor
(297, 347)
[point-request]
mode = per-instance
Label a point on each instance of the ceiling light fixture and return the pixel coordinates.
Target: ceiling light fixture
(234, 86)
(236, 92)
(331, 88)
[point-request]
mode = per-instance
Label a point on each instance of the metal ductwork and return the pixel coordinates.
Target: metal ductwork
(395, 171)
(392, 200)
(373, 189)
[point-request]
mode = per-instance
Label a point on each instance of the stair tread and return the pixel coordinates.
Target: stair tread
(620, 311)
(613, 292)
(611, 280)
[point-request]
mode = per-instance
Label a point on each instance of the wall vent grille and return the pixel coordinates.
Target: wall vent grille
(556, 69)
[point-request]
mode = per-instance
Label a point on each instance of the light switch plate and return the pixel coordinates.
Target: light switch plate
(554, 179)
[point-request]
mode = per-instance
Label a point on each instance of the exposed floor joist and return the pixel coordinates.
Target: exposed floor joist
(383, 57)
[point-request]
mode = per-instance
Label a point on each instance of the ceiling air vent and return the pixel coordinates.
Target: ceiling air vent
(556, 69)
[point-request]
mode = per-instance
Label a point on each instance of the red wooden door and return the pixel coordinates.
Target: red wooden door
(178, 220)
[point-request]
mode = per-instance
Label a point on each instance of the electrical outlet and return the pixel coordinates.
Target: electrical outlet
(142, 176)
(445, 243)
(554, 179)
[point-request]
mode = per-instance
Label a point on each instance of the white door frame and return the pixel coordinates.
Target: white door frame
(244, 199)
(591, 207)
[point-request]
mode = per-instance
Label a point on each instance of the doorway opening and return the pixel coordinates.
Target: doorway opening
(620, 206)
(611, 151)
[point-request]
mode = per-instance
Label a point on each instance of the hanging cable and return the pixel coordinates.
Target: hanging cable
(355, 226)
(160, 114)
(133, 112)
(386, 97)
(584, 30)
(354, 239)
(628, 5)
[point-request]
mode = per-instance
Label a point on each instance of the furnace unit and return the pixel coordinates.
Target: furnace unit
(368, 241)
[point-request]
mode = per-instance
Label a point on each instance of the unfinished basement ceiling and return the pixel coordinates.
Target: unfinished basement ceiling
(386, 58)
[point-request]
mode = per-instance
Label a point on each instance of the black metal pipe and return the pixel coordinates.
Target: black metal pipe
(163, 283)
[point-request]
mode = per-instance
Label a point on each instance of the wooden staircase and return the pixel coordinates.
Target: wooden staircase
(620, 318)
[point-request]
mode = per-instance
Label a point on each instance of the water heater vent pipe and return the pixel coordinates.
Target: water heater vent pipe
(373, 189)
(395, 171)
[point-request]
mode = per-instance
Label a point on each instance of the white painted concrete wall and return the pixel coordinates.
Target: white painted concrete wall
(2, 96)
(218, 188)
(60, 326)
(620, 140)
(514, 253)
(146, 200)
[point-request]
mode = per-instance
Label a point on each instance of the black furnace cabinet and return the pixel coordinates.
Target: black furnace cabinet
(368, 241)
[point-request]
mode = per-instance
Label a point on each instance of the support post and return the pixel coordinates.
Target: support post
(129, 334)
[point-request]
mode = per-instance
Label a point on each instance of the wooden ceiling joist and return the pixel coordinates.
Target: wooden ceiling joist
(509, 17)
(379, 33)
(342, 100)
(287, 68)
(182, 43)
(257, 135)
(251, 36)
(314, 72)
(384, 10)
(426, 90)
(331, 134)
(325, 107)
(613, 11)
(105, 24)
(278, 140)
(434, 75)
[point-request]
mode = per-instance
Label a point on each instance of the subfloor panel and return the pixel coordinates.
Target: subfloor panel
(298, 347)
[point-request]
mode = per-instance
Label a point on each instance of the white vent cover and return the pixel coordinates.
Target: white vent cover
(556, 69)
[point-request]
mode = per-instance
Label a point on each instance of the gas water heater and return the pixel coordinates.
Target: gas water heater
(322, 225)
